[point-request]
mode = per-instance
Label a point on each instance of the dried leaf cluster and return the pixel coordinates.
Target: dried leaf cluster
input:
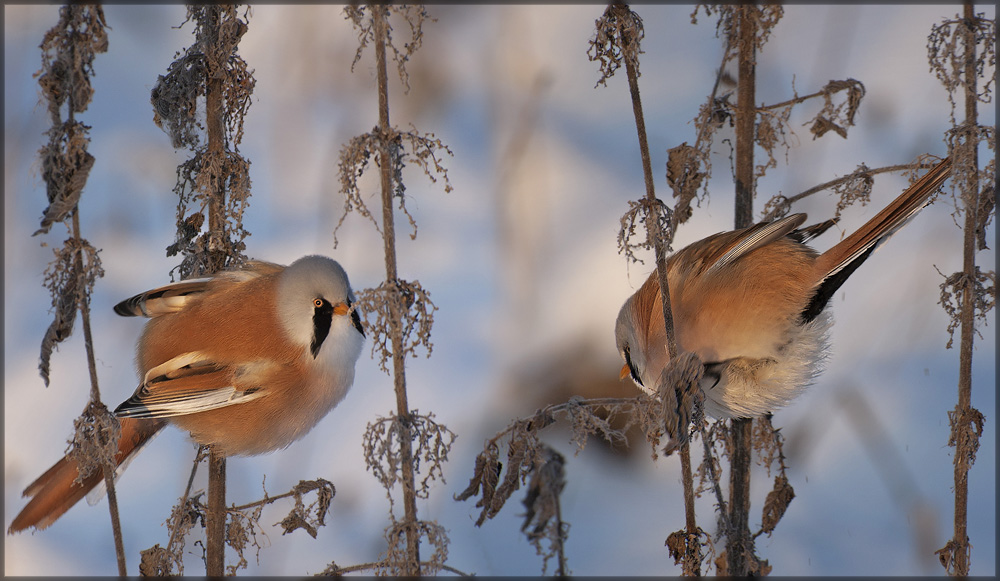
(393, 561)
(162, 561)
(420, 149)
(244, 521)
(765, 17)
(68, 52)
(527, 455)
(208, 74)
(977, 187)
(431, 442)
(95, 439)
(417, 318)
(175, 96)
(70, 279)
(640, 212)
(617, 41)
(688, 168)
(983, 288)
(543, 517)
(413, 14)
(242, 528)
(203, 173)
(66, 163)
(946, 53)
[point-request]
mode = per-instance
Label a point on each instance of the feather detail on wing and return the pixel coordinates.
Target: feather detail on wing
(754, 237)
(163, 300)
(187, 384)
(174, 297)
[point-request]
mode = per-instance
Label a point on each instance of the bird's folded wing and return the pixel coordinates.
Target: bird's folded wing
(174, 297)
(754, 237)
(186, 384)
(163, 300)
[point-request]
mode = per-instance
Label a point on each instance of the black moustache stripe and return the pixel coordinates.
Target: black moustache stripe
(322, 318)
(356, 319)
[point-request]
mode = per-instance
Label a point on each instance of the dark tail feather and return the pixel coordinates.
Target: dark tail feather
(885, 223)
(838, 263)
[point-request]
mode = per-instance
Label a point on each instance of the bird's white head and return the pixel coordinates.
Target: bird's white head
(630, 345)
(314, 306)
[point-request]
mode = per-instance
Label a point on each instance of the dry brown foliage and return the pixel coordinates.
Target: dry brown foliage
(70, 287)
(530, 461)
(244, 521)
(617, 41)
(414, 15)
(216, 172)
(946, 55)
(420, 149)
(431, 443)
(417, 320)
(243, 525)
(640, 212)
(526, 453)
(543, 517)
(397, 446)
(68, 52)
(176, 95)
(851, 188)
(983, 288)
(95, 439)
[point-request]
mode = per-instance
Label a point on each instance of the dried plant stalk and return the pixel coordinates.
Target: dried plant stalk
(395, 447)
(958, 61)
(215, 180)
(68, 52)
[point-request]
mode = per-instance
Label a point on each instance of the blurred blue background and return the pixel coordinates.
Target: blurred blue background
(521, 260)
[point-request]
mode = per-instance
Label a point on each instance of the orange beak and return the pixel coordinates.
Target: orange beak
(625, 372)
(341, 309)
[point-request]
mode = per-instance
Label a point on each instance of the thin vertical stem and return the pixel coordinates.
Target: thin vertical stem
(745, 117)
(215, 525)
(216, 132)
(652, 224)
(739, 542)
(88, 341)
(215, 519)
(95, 392)
(380, 15)
(692, 558)
(969, 181)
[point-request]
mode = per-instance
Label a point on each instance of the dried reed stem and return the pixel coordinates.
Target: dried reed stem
(970, 184)
(738, 541)
(380, 16)
(215, 519)
(692, 560)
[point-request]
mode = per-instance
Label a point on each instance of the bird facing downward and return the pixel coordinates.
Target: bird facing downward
(247, 361)
(751, 304)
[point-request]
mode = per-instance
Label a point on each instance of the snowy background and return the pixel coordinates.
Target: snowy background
(521, 259)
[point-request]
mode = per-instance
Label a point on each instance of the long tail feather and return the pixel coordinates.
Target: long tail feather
(885, 223)
(56, 491)
(837, 264)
